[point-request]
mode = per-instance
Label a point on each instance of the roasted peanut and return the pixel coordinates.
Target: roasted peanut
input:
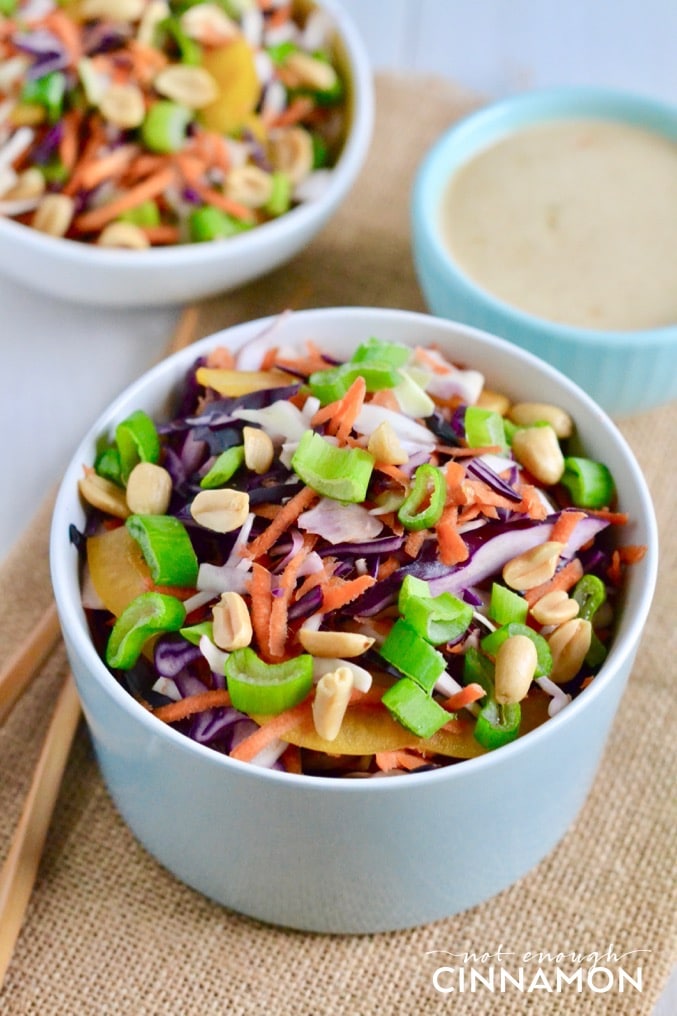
(291, 151)
(555, 608)
(54, 214)
(515, 667)
(569, 645)
(232, 626)
(259, 451)
(340, 644)
(154, 12)
(114, 10)
(384, 445)
(524, 414)
(301, 70)
(534, 566)
(538, 450)
(149, 489)
(249, 186)
(193, 87)
(103, 494)
(123, 106)
(123, 235)
(332, 695)
(220, 510)
(495, 401)
(29, 184)
(209, 24)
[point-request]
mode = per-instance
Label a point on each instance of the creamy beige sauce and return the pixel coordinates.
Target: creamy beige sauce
(573, 221)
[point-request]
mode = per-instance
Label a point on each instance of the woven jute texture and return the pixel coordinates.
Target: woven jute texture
(109, 931)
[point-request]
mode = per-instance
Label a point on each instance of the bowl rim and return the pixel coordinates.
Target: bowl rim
(343, 173)
(491, 123)
(65, 573)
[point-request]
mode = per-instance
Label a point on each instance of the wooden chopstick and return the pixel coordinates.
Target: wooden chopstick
(24, 664)
(20, 868)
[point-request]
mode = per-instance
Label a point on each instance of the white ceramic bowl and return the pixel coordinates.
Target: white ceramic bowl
(349, 856)
(624, 371)
(173, 275)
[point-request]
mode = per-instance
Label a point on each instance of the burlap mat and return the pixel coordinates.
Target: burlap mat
(109, 931)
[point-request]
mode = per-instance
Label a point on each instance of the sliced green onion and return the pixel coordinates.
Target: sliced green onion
(164, 127)
(280, 51)
(342, 474)
(145, 616)
(415, 709)
(332, 384)
(48, 91)
(108, 465)
(190, 51)
(491, 643)
(209, 223)
(267, 688)
(497, 725)
(506, 606)
(590, 593)
(320, 151)
(137, 440)
(411, 587)
(194, 632)
(424, 503)
(484, 427)
(166, 547)
(437, 619)
(226, 465)
(392, 353)
(478, 669)
(145, 214)
(280, 196)
(7, 7)
(589, 483)
(412, 655)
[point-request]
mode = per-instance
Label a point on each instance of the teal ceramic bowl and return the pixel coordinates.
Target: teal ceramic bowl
(339, 855)
(624, 371)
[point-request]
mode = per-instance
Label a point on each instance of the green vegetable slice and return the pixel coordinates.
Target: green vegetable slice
(484, 428)
(166, 547)
(226, 465)
(267, 688)
(490, 644)
(436, 619)
(497, 724)
(415, 709)
(424, 504)
(145, 616)
(412, 655)
(137, 440)
(342, 474)
(589, 483)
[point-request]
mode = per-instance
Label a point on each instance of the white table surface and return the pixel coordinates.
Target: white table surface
(60, 366)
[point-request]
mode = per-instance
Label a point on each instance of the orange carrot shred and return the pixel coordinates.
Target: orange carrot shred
(565, 579)
(452, 548)
(465, 697)
(279, 610)
(565, 525)
(181, 709)
(399, 758)
(149, 188)
(339, 592)
(287, 514)
(260, 590)
(276, 726)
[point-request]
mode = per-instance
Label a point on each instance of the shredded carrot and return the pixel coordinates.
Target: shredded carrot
(287, 514)
(260, 591)
(180, 710)
(276, 726)
(632, 553)
(613, 518)
(224, 203)
(399, 758)
(386, 399)
(394, 472)
(465, 697)
(296, 111)
(107, 167)
(66, 31)
(291, 759)
(452, 548)
(277, 639)
(387, 567)
(339, 592)
(339, 416)
(162, 234)
(313, 360)
(149, 188)
(565, 525)
(468, 453)
(69, 144)
(414, 541)
(565, 579)
(221, 358)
